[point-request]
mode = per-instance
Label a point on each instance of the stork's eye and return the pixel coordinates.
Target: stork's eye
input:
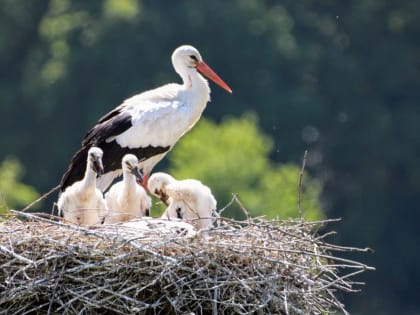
(193, 58)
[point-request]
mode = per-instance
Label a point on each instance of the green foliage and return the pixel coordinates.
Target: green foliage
(122, 9)
(233, 157)
(13, 193)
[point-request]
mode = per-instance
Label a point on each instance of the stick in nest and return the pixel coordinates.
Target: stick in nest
(40, 198)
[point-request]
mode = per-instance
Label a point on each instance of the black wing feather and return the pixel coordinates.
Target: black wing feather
(112, 124)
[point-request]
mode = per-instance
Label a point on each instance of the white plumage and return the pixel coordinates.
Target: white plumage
(157, 185)
(149, 124)
(82, 203)
(188, 200)
(126, 199)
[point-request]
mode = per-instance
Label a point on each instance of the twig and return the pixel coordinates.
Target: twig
(40, 198)
(244, 210)
(300, 183)
(59, 278)
(228, 204)
(17, 256)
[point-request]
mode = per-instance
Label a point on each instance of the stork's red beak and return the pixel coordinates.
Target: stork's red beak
(205, 70)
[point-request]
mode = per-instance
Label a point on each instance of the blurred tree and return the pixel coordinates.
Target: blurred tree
(233, 158)
(13, 193)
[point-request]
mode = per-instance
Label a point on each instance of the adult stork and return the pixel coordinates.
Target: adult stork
(148, 124)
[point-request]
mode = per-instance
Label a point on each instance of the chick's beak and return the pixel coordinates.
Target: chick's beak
(138, 173)
(99, 168)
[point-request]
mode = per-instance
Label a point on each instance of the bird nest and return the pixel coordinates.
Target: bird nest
(256, 266)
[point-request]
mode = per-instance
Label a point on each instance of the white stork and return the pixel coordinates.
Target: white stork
(188, 199)
(149, 124)
(82, 203)
(157, 185)
(126, 199)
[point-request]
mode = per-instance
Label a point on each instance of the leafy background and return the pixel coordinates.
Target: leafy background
(338, 78)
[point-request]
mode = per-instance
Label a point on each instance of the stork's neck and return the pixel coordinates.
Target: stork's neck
(198, 93)
(129, 180)
(89, 181)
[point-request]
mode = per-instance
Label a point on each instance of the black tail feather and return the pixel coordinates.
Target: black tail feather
(76, 169)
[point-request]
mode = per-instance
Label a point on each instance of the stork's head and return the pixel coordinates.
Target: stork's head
(130, 165)
(95, 160)
(186, 58)
(157, 185)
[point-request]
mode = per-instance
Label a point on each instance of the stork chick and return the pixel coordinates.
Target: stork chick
(126, 199)
(188, 200)
(82, 203)
(157, 185)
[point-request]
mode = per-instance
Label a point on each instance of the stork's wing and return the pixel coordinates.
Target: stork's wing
(112, 124)
(133, 127)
